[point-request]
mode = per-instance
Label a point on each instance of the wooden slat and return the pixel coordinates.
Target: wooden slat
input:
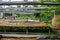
(3, 23)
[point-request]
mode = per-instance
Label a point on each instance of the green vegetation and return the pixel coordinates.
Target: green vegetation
(44, 30)
(58, 20)
(49, 0)
(44, 16)
(25, 16)
(7, 15)
(47, 14)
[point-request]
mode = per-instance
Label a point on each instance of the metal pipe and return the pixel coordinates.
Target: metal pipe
(29, 3)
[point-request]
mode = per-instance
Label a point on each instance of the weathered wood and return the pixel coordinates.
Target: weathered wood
(54, 22)
(3, 23)
(18, 39)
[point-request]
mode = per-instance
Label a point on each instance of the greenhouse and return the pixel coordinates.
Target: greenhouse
(30, 20)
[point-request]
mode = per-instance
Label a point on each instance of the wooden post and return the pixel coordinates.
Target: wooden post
(27, 30)
(49, 32)
(4, 29)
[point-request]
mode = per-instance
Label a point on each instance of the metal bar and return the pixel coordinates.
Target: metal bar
(29, 3)
(21, 8)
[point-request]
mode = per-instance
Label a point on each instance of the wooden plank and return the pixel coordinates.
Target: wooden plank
(18, 39)
(10, 39)
(3, 23)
